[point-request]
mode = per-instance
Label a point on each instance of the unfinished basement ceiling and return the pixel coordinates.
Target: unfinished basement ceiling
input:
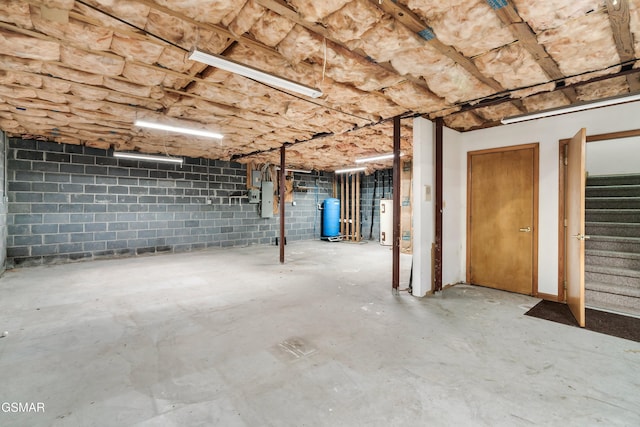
(81, 72)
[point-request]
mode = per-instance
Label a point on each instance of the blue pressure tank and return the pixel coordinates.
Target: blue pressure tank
(330, 217)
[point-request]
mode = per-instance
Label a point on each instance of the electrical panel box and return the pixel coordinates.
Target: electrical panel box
(254, 195)
(266, 199)
(256, 178)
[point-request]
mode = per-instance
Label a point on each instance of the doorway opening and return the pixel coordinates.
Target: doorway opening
(611, 261)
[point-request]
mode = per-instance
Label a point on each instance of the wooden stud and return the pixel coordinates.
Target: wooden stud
(354, 217)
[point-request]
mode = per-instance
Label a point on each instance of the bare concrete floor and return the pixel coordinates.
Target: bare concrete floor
(232, 338)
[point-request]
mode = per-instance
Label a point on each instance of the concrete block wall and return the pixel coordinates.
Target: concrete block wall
(3, 202)
(69, 202)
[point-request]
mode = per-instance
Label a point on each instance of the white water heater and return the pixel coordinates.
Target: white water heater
(386, 222)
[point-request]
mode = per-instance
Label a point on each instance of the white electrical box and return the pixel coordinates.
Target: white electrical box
(427, 193)
(266, 199)
(386, 222)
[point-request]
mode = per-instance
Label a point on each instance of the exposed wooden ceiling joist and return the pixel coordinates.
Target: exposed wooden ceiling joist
(82, 73)
(283, 9)
(620, 19)
(415, 24)
(527, 38)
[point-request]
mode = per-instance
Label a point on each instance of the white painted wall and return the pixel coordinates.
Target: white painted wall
(614, 157)
(423, 210)
(454, 219)
(547, 132)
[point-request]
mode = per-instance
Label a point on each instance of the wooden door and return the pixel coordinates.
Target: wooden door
(502, 218)
(575, 225)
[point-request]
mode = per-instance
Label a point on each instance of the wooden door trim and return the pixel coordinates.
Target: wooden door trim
(536, 161)
(562, 178)
(611, 135)
(562, 170)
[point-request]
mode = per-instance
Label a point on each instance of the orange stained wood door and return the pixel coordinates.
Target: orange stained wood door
(503, 219)
(575, 206)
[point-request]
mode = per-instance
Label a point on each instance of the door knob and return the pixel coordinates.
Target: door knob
(525, 230)
(581, 237)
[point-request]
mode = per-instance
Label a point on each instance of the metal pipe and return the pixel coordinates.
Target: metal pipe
(373, 203)
(281, 198)
(437, 278)
(396, 204)
(358, 207)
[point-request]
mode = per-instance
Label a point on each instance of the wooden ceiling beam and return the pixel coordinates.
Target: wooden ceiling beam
(527, 39)
(414, 23)
(46, 37)
(231, 38)
(283, 9)
(619, 18)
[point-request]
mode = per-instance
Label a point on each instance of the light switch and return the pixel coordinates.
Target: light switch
(427, 193)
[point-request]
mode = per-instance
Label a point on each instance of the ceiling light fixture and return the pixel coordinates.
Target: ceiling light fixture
(377, 158)
(177, 129)
(572, 108)
(350, 170)
(252, 73)
(147, 157)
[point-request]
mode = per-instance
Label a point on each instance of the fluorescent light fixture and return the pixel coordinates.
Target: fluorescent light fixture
(572, 108)
(351, 170)
(177, 129)
(252, 73)
(377, 158)
(147, 157)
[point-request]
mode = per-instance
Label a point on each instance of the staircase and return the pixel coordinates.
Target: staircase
(612, 254)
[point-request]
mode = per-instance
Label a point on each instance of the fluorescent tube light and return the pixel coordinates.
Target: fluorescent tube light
(252, 73)
(351, 170)
(572, 108)
(147, 157)
(376, 158)
(177, 129)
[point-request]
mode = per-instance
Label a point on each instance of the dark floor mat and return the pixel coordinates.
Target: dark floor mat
(598, 321)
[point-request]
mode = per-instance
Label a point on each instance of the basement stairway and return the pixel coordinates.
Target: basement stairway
(612, 254)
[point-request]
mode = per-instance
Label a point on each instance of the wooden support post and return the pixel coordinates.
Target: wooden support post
(281, 192)
(348, 207)
(396, 204)
(353, 206)
(249, 173)
(437, 276)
